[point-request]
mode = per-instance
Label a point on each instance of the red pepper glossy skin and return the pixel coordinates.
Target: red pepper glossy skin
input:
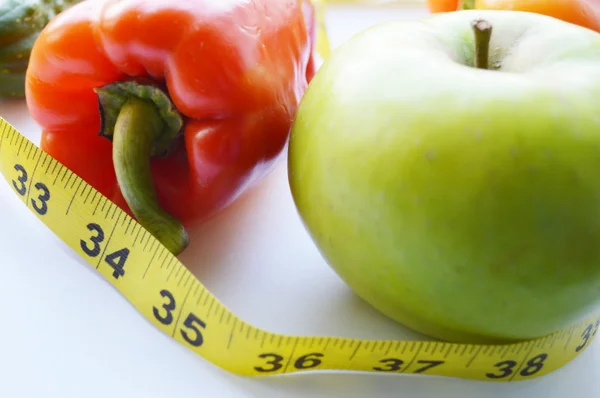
(236, 69)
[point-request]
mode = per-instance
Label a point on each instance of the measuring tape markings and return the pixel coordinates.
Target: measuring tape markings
(165, 292)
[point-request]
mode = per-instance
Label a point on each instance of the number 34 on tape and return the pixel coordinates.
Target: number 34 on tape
(167, 294)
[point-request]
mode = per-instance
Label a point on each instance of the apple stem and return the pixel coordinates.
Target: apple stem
(465, 5)
(483, 34)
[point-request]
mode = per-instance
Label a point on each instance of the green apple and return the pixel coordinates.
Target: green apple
(453, 180)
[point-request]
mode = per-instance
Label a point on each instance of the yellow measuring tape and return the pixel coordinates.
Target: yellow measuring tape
(164, 291)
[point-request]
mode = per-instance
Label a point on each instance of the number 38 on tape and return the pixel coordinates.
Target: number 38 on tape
(167, 294)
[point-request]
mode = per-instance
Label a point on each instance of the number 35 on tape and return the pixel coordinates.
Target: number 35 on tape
(167, 294)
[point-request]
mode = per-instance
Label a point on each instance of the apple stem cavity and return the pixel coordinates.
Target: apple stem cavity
(483, 33)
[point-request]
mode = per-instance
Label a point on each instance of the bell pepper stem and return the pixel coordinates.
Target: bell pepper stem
(138, 126)
(483, 34)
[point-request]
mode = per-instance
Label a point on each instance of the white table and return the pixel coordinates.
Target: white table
(66, 333)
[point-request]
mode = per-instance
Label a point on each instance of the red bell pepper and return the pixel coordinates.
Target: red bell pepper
(171, 109)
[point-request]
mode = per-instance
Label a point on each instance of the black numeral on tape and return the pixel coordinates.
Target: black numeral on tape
(39, 204)
(116, 261)
(274, 362)
(534, 365)
(308, 361)
(92, 247)
(95, 239)
(427, 365)
(193, 325)
(20, 187)
(589, 332)
(395, 365)
(508, 367)
(505, 369)
(389, 365)
(168, 307)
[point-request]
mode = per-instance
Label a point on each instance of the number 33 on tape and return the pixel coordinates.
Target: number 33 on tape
(168, 295)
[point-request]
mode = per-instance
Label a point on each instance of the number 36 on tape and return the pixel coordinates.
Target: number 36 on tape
(167, 294)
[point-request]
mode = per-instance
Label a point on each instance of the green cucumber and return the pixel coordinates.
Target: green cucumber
(21, 22)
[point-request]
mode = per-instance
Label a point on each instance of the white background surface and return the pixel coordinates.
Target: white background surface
(66, 333)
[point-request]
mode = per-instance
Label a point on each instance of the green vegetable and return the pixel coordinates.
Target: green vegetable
(21, 21)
